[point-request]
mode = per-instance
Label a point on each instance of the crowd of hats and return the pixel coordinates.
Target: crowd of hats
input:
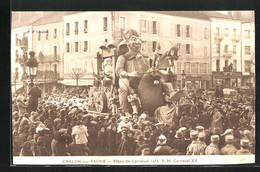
(58, 114)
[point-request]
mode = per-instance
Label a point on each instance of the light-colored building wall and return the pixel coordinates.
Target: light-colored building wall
(94, 35)
(46, 46)
(16, 51)
(166, 36)
(230, 40)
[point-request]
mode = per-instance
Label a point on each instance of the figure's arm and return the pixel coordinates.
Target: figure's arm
(120, 65)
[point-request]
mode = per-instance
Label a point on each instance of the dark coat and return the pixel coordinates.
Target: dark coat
(101, 144)
(34, 94)
(127, 146)
(182, 146)
(112, 147)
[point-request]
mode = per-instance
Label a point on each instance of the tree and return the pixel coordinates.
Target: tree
(76, 74)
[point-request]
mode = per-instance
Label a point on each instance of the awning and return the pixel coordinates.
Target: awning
(16, 87)
(81, 82)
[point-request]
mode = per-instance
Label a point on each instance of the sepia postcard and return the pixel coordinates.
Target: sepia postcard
(133, 87)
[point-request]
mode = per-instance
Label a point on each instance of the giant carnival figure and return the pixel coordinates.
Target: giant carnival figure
(150, 78)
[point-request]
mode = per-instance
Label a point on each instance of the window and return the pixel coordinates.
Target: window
(218, 65)
(234, 49)
(55, 68)
(47, 35)
(205, 33)
(247, 50)
(179, 47)
(247, 33)
(104, 23)
(67, 47)
(143, 25)
(122, 23)
(247, 65)
(187, 67)
(76, 28)
(16, 73)
(55, 51)
(178, 30)
(226, 49)
(226, 63)
(76, 47)
(188, 34)
(67, 28)
(55, 34)
(205, 50)
(154, 46)
(235, 65)
(194, 68)
(85, 26)
(234, 32)
(106, 40)
(218, 48)
(178, 67)
(226, 32)
(217, 31)
(203, 68)
(39, 36)
(155, 27)
(85, 46)
(188, 49)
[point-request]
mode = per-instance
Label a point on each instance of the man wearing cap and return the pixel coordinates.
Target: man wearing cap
(199, 149)
(194, 138)
(213, 149)
(229, 149)
(200, 129)
(244, 150)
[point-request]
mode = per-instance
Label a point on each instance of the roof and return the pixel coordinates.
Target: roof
(52, 17)
(216, 14)
(188, 14)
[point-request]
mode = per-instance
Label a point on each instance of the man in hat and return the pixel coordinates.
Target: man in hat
(199, 149)
(229, 149)
(245, 146)
(200, 129)
(194, 138)
(182, 146)
(178, 138)
(213, 149)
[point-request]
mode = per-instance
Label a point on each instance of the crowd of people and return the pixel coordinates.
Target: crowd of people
(62, 126)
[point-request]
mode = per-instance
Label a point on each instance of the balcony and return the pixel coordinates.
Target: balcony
(236, 38)
(47, 58)
(47, 75)
(227, 54)
(219, 37)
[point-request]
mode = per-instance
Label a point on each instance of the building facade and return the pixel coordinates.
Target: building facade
(48, 46)
(248, 54)
(226, 51)
(190, 33)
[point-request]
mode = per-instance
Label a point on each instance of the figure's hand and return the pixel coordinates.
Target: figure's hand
(133, 74)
